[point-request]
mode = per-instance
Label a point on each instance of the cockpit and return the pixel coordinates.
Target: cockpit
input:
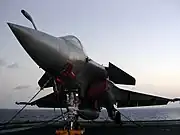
(74, 40)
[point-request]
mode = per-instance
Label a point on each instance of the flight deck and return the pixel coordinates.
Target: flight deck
(164, 127)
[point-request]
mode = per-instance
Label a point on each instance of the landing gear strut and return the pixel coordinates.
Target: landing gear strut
(72, 126)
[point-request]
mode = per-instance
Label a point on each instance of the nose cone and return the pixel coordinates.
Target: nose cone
(16, 29)
(37, 44)
(21, 32)
(13, 27)
(26, 36)
(30, 41)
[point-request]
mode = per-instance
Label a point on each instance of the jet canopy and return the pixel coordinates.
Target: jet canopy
(74, 40)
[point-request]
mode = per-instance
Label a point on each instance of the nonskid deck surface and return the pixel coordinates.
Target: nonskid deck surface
(101, 127)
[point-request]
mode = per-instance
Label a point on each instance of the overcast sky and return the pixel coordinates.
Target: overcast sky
(142, 37)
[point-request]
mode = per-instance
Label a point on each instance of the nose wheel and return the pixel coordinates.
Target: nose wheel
(117, 117)
(72, 126)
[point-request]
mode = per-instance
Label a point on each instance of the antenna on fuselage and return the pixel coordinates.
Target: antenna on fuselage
(27, 15)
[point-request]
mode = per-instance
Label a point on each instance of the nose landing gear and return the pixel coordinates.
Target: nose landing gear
(72, 126)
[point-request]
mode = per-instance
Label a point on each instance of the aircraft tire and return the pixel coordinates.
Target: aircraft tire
(118, 118)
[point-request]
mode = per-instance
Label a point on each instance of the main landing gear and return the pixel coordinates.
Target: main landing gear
(118, 118)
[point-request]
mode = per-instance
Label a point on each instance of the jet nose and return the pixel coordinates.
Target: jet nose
(13, 26)
(19, 31)
(37, 44)
(28, 38)
(23, 34)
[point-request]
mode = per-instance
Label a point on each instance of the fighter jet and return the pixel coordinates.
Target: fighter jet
(68, 69)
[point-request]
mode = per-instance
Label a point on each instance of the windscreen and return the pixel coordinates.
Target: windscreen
(74, 40)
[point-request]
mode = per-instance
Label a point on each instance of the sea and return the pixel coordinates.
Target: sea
(134, 113)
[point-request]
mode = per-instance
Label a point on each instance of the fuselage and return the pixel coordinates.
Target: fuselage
(53, 53)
